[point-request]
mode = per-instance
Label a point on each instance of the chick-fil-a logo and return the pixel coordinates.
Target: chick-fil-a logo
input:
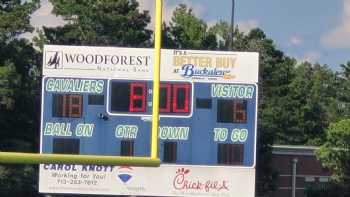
(182, 182)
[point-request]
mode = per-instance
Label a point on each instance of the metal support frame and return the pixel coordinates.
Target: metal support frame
(294, 175)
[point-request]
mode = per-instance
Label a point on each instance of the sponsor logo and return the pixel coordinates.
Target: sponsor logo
(99, 62)
(191, 71)
(124, 173)
(53, 59)
(184, 182)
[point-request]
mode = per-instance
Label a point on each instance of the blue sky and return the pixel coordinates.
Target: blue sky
(313, 30)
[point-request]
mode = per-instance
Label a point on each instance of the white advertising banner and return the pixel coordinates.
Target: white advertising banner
(167, 180)
(137, 63)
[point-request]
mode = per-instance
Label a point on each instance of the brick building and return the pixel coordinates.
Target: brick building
(309, 174)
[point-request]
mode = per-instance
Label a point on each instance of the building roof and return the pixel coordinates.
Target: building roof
(294, 150)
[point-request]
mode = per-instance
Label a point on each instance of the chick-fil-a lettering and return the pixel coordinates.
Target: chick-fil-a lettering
(181, 183)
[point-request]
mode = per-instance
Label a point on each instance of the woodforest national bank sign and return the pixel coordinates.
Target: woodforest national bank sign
(96, 63)
(138, 62)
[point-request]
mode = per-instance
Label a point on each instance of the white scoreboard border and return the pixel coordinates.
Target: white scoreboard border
(249, 78)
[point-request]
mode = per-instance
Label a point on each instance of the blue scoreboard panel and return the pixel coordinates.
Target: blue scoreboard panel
(98, 101)
(200, 123)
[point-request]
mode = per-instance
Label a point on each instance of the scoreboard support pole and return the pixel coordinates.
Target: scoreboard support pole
(156, 79)
(152, 161)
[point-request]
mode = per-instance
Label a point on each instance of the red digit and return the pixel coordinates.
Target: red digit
(137, 98)
(166, 108)
(181, 104)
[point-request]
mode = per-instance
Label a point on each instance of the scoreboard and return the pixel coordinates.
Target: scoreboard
(98, 101)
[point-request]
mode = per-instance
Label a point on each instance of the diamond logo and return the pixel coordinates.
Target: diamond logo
(125, 173)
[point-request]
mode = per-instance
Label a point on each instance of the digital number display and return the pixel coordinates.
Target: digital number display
(126, 148)
(240, 111)
(132, 97)
(165, 98)
(174, 98)
(66, 105)
(96, 99)
(65, 146)
(137, 97)
(232, 111)
(128, 97)
(170, 152)
(231, 154)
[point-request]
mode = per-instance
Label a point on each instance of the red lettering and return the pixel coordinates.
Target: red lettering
(178, 181)
(181, 183)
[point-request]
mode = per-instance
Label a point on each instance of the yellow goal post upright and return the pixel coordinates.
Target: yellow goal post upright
(152, 161)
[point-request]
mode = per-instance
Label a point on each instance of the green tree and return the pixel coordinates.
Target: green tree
(343, 91)
(296, 102)
(275, 76)
(18, 112)
(188, 31)
(167, 41)
(14, 17)
(91, 22)
(222, 31)
(311, 106)
(8, 79)
(335, 153)
(346, 70)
